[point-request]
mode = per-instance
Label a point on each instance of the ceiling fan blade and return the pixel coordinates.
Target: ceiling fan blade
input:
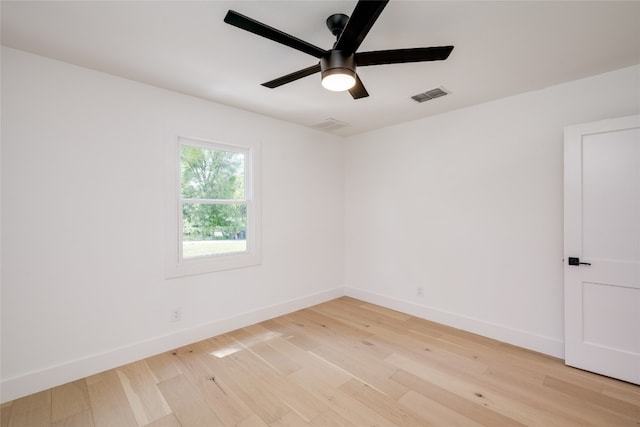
(243, 22)
(398, 56)
(358, 91)
(292, 77)
(362, 19)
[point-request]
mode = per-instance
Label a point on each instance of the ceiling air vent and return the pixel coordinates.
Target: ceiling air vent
(329, 124)
(430, 94)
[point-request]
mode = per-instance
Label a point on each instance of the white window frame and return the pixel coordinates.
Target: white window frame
(176, 265)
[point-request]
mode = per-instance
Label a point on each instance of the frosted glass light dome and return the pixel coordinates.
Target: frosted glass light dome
(338, 82)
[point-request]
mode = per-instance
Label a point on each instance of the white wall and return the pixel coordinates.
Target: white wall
(83, 175)
(469, 206)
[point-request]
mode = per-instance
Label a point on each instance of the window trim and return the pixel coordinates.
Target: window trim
(176, 265)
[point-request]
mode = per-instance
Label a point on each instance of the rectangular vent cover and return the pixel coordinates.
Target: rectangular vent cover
(430, 94)
(329, 124)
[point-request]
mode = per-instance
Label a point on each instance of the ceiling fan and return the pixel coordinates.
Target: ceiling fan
(338, 64)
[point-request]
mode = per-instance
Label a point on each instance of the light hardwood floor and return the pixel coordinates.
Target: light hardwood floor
(341, 363)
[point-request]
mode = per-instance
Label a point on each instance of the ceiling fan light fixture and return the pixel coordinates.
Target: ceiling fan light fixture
(338, 80)
(338, 64)
(338, 71)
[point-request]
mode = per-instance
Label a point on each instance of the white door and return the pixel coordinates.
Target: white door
(602, 247)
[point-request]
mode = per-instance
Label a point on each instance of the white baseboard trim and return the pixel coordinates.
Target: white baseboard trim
(32, 382)
(520, 338)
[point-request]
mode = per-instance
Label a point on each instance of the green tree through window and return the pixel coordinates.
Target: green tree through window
(213, 201)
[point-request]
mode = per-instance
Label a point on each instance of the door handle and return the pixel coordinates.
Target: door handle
(576, 261)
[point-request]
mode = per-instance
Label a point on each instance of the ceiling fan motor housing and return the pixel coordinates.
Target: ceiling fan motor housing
(338, 62)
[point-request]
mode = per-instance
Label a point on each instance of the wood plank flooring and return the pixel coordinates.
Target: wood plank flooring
(341, 363)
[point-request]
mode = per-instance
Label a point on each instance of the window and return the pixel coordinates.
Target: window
(214, 208)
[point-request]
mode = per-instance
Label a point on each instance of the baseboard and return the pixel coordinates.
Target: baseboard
(23, 385)
(542, 344)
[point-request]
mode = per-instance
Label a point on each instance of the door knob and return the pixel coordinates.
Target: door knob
(576, 261)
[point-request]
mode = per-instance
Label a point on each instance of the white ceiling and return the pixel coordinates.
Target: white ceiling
(501, 48)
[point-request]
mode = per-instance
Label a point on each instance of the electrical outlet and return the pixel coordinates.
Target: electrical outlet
(420, 291)
(176, 315)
